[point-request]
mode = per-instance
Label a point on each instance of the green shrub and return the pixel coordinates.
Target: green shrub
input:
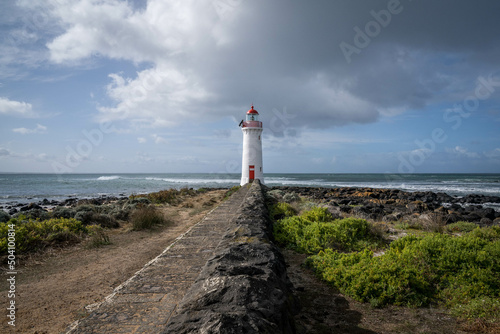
(97, 236)
(85, 208)
(460, 226)
(462, 273)
(63, 212)
(291, 197)
(282, 210)
(94, 218)
(135, 200)
(317, 214)
(119, 213)
(275, 194)
(146, 218)
(34, 214)
(315, 230)
(32, 235)
(4, 216)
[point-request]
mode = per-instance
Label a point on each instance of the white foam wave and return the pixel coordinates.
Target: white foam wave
(108, 178)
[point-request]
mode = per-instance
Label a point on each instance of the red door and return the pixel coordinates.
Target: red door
(251, 172)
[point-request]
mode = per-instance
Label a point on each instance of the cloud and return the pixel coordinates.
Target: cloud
(113, 29)
(462, 152)
(4, 152)
(494, 154)
(219, 56)
(40, 129)
(16, 108)
(43, 157)
(142, 140)
(159, 139)
(163, 95)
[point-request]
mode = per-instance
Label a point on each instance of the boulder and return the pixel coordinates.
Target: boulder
(31, 206)
(417, 207)
(486, 213)
(485, 222)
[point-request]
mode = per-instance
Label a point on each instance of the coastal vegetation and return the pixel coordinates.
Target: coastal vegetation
(33, 235)
(147, 217)
(456, 266)
(169, 196)
(90, 220)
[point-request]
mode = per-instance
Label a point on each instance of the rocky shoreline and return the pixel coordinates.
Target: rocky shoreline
(369, 203)
(106, 211)
(396, 205)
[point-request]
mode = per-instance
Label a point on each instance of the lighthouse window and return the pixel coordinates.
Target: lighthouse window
(259, 137)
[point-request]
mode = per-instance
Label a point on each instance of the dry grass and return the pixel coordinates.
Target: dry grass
(147, 217)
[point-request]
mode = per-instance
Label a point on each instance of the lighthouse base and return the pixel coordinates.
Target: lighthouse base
(245, 180)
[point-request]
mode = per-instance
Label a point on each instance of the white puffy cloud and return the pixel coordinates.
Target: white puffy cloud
(17, 108)
(6, 153)
(495, 154)
(159, 96)
(463, 152)
(158, 139)
(38, 129)
(113, 29)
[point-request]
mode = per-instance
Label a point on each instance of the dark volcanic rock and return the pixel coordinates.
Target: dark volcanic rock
(31, 206)
(395, 205)
(486, 213)
(244, 287)
(485, 222)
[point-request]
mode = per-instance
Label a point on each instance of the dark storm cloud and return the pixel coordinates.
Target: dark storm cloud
(287, 53)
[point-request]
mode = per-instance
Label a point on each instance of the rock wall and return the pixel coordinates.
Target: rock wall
(244, 288)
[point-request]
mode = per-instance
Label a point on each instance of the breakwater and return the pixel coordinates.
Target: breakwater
(223, 276)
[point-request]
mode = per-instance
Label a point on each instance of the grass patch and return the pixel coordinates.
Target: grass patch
(147, 217)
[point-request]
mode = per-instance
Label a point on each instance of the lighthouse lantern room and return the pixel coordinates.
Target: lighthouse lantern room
(252, 148)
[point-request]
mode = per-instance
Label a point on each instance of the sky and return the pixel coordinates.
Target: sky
(160, 86)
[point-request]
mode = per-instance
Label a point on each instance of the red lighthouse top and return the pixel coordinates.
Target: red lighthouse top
(252, 111)
(252, 119)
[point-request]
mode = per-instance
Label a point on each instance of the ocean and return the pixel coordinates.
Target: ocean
(26, 188)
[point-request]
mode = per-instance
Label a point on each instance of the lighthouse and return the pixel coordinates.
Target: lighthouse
(251, 166)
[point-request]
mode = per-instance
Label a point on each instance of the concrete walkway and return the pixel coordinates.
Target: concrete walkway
(145, 302)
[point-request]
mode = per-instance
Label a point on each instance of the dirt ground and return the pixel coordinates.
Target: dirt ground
(53, 288)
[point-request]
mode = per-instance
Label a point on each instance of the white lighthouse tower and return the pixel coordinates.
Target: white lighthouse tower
(252, 148)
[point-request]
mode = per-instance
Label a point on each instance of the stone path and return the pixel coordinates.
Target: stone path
(145, 302)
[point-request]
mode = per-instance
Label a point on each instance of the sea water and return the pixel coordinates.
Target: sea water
(25, 188)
